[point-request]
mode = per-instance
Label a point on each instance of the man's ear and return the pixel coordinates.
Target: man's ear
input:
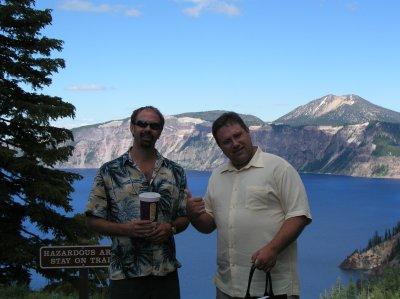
(131, 129)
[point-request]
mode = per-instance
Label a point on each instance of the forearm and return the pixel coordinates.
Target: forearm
(288, 233)
(204, 223)
(105, 227)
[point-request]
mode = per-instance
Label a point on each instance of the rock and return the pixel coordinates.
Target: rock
(372, 258)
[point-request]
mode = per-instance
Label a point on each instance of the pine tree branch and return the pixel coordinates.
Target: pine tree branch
(5, 120)
(9, 143)
(33, 235)
(10, 178)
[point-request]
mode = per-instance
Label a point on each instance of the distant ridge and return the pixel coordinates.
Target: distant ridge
(212, 115)
(333, 110)
(369, 148)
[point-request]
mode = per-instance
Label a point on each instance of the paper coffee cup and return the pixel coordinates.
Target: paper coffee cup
(149, 205)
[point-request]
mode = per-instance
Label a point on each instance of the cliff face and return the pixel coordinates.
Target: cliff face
(374, 257)
(369, 149)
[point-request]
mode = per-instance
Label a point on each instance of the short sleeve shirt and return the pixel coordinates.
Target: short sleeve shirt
(115, 197)
(249, 207)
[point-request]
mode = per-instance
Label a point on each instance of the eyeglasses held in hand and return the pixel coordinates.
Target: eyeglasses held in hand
(144, 124)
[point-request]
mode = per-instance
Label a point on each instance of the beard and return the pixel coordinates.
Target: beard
(147, 140)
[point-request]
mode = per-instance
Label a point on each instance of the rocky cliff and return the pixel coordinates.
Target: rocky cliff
(375, 257)
(370, 149)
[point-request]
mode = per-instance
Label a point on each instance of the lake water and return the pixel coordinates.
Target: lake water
(346, 212)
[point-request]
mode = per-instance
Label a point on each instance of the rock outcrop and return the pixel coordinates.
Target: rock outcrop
(373, 258)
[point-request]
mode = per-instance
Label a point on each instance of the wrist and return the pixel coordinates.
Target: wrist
(272, 248)
(193, 216)
(172, 228)
(125, 229)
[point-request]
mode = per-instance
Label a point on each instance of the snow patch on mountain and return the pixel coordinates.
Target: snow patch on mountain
(330, 129)
(357, 132)
(190, 120)
(330, 103)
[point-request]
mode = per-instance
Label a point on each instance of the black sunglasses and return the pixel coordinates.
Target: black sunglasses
(144, 124)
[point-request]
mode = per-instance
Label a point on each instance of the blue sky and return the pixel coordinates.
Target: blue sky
(261, 57)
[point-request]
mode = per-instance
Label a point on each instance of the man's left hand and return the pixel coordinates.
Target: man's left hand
(160, 234)
(265, 258)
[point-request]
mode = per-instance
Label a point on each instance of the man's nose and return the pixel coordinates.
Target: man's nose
(235, 143)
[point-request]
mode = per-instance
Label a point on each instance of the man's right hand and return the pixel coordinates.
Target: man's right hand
(195, 207)
(139, 228)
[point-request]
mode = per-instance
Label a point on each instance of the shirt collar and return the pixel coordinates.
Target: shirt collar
(126, 158)
(254, 162)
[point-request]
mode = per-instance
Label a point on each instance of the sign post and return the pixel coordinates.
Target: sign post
(81, 257)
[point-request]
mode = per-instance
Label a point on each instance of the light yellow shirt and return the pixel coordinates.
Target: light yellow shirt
(249, 206)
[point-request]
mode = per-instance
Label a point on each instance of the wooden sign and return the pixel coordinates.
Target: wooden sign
(92, 256)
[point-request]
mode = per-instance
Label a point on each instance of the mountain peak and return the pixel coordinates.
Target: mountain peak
(338, 110)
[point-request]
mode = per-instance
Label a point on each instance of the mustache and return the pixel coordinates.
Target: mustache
(146, 134)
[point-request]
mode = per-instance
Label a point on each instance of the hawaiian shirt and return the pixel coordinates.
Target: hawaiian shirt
(115, 197)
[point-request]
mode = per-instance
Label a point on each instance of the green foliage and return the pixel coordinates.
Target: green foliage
(377, 239)
(380, 170)
(384, 286)
(23, 292)
(385, 146)
(34, 196)
(395, 251)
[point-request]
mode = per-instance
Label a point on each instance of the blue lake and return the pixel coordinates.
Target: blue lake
(346, 212)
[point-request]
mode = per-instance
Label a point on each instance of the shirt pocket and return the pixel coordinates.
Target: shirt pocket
(125, 190)
(256, 197)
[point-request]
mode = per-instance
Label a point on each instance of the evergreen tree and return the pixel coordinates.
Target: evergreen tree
(34, 195)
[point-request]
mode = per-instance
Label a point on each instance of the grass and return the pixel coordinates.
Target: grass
(23, 292)
(384, 286)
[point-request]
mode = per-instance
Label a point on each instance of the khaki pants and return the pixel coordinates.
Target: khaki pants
(221, 295)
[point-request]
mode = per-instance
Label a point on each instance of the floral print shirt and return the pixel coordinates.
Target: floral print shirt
(115, 197)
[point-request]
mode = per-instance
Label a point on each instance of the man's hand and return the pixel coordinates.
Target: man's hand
(194, 206)
(161, 234)
(265, 258)
(139, 228)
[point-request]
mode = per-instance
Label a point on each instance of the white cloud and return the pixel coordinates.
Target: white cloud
(90, 7)
(216, 6)
(353, 7)
(132, 12)
(87, 87)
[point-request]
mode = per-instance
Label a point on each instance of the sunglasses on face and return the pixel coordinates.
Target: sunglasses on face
(143, 124)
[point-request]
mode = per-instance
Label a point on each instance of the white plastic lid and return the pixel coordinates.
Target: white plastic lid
(149, 196)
